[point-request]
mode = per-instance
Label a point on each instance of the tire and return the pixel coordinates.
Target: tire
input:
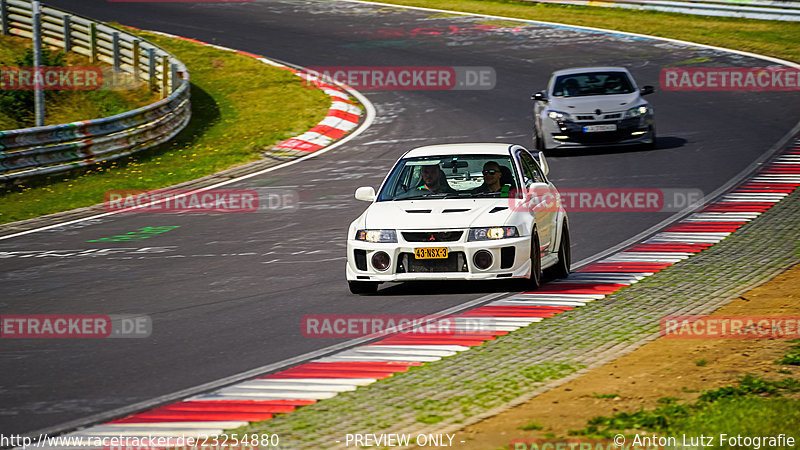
(562, 267)
(652, 145)
(535, 279)
(538, 143)
(363, 287)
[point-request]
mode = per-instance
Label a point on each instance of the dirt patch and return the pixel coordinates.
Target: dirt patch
(680, 368)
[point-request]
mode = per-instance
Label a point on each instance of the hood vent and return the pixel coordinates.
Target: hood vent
(445, 211)
(418, 211)
(498, 208)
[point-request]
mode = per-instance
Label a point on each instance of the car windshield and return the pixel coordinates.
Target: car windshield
(592, 83)
(450, 176)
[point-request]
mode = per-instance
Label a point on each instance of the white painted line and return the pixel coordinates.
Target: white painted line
(452, 348)
(342, 358)
(400, 354)
(754, 197)
(393, 355)
(144, 432)
(276, 385)
(665, 257)
(600, 278)
(776, 179)
(338, 123)
(540, 303)
(226, 424)
(565, 297)
(321, 381)
(686, 238)
(284, 395)
(722, 217)
(511, 320)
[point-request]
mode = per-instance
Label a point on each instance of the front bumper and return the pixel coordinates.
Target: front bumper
(571, 134)
(404, 266)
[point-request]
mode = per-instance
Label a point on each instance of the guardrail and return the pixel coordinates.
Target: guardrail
(752, 9)
(47, 150)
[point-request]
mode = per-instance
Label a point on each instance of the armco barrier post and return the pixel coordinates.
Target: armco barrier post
(115, 40)
(151, 68)
(136, 57)
(164, 76)
(93, 42)
(67, 33)
(173, 75)
(38, 92)
(4, 16)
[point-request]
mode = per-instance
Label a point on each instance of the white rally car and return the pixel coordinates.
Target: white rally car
(460, 212)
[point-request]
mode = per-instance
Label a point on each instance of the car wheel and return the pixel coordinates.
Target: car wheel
(562, 267)
(538, 143)
(651, 145)
(536, 262)
(363, 287)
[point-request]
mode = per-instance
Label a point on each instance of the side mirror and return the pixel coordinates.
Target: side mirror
(543, 164)
(647, 90)
(366, 194)
(539, 97)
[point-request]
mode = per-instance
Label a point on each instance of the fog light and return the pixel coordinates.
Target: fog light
(482, 259)
(380, 261)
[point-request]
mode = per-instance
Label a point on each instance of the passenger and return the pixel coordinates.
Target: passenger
(492, 175)
(434, 180)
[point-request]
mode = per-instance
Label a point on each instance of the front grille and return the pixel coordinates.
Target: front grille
(455, 262)
(432, 236)
(585, 117)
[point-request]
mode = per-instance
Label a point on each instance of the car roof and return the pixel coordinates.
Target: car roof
(589, 69)
(486, 148)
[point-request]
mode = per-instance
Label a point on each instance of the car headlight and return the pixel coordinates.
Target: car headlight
(491, 233)
(558, 115)
(637, 111)
(376, 235)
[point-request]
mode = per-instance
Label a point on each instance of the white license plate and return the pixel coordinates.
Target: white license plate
(602, 127)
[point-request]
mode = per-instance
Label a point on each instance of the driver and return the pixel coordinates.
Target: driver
(433, 180)
(571, 88)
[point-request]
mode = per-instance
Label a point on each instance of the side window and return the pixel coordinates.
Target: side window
(530, 169)
(527, 174)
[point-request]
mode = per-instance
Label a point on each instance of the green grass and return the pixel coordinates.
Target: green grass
(773, 38)
(61, 106)
(239, 107)
(596, 395)
(793, 357)
(754, 407)
(531, 426)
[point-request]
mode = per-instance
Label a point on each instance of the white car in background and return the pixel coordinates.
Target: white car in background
(491, 213)
(592, 107)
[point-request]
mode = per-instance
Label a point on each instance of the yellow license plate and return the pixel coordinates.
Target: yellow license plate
(430, 253)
